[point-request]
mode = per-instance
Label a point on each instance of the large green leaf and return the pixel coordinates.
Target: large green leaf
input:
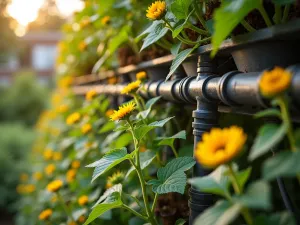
(109, 126)
(170, 140)
(108, 192)
(108, 161)
(172, 178)
(141, 131)
(156, 34)
(145, 159)
(283, 164)
(113, 202)
(268, 137)
(180, 25)
(257, 196)
(222, 213)
(180, 222)
(179, 59)
(124, 140)
(180, 8)
(228, 16)
(243, 176)
(215, 183)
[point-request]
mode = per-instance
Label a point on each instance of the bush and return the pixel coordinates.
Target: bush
(15, 142)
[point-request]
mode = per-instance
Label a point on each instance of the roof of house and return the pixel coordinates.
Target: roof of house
(42, 36)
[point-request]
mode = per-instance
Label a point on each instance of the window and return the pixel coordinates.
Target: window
(43, 57)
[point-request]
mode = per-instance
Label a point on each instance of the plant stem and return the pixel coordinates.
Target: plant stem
(135, 212)
(286, 13)
(265, 16)
(137, 102)
(247, 26)
(174, 151)
(198, 30)
(64, 205)
(199, 15)
(287, 119)
(154, 202)
(278, 14)
(238, 190)
(138, 169)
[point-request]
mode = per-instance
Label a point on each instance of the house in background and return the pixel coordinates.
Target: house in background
(40, 50)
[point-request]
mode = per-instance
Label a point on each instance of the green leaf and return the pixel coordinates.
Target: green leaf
(283, 2)
(102, 208)
(120, 38)
(124, 140)
(179, 59)
(215, 183)
(257, 196)
(243, 176)
(152, 101)
(109, 126)
(175, 48)
(283, 164)
(275, 219)
(141, 131)
(268, 137)
(145, 159)
(108, 192)
(148, 30)
(172, 178)
(180, 222)
(170, 140)
(144, 114)
(180, 8)
(108, 161)
(228, 16)
(222, 213)
(156, 34)
(268, 112)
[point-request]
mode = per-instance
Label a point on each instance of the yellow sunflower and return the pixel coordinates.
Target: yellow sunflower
(57, 156)
(54, 186)
(83, 200)
(131, 87)
(90, 95)
(81, 219)
(73, 118)
(44, 215)
(105, 20)
(37, 176)
(50, 169)
(75, 164)
(71, 174)
(123, 111)
(86, 128)
(141, 75)
(109, 112)
(275, 82)
(157, 10)
(48, 154)
(220, 146)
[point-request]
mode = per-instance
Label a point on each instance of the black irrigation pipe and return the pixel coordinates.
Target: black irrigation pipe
(239, 91)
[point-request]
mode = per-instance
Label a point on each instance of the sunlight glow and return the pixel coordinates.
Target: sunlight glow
(67, 7)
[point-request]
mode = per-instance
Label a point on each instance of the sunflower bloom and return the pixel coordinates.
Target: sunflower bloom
(86, 128)
(73, 118)
(45, 214)
(75, 164)
(105, 20)
(90, 95)
(49, 170)
(123, 111)
(82, 46)
(109, 112)
(141, 75)
(48, 154)
(71, 174)
(81, 219)
(57, 156)
(72, 223)
(131, 87)
(220, 146)
(275, 82)
(37, 176)
(62, 108)
(157, 10)
(54, 186)
(116, 178)
(83, 200)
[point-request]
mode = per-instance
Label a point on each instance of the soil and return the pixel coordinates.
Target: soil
(171, 207)
(126, 55)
